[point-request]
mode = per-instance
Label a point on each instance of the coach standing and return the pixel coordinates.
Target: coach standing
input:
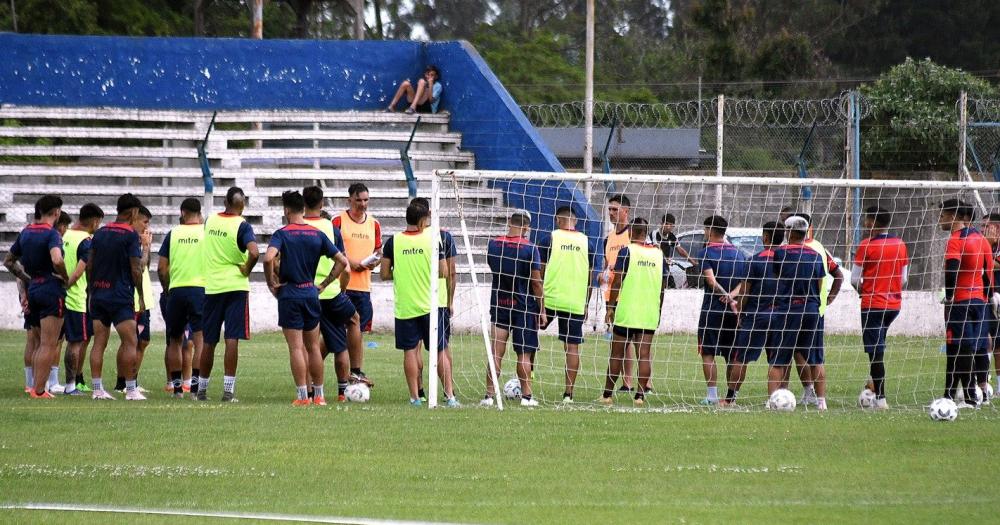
(362, 235)
(229, 253)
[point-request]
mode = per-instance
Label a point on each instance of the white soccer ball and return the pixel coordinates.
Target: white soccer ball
(989, 391)
(782, 400)
(866, 399)
(358, 393)
(943, 409)
(512, 388)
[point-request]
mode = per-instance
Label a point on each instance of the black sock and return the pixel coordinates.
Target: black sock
(341, 387)
(420, 393)
(877, 370)
(640, 394)
(607, 394)
(79, 379)
(963, 369)
(356, 371)
(730, 395)
(950, 374)
(177, 382)
(120, 383)
(195, 374)
(311, 393)
(982, 368)
(570, 395)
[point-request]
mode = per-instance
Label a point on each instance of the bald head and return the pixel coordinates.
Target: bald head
(236, 201)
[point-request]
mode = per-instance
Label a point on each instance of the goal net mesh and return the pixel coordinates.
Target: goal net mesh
(914, 357)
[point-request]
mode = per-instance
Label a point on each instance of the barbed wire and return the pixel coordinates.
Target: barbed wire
(751, 113)
(984, 109)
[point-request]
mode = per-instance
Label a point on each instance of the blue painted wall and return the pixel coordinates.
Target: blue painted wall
(210, 74)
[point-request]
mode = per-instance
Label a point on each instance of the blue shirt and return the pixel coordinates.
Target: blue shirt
(621, 264)
(730, 268)
(32, 247)
(113, 247)
(800, 272)
(762, 282)
(301, 247)
(436, 96)
(512, 259)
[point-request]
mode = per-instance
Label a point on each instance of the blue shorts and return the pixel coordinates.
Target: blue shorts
(410, 332)
(230, 308)
(77, 326)
(570, 326)
(717, 333)
(109, 314)
(336, 313)
(798, 329)
(966, 326)
(185, 306)
(755, 333)
(874, 327)
(47, 301)
(631, 333)
(993, 325)
(522, 326)
(363, 305)
(142, 325)
(299, 314)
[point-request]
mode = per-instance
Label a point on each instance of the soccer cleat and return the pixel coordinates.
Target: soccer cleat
(177, 395)
(821, 405)
(302, 402)
(82, 387)
(341, 398)
(320, 401)
(141, 390)
(727, 404)
(134, 395)
(488, 401)
(452, 403)
(102, 395)
(639, 402)
(27, 390)
(202, 395)
(229, 397)
(606, 401)
(416, 403)
(964, 404)
(56, 389)
(530, 403)
(75, 393)
(808, 398)
(169, 387)
(708, 402)
(881, 404)
(362, 378)
(43, 395)
(186, 389)
(567, 400)
(625, 389)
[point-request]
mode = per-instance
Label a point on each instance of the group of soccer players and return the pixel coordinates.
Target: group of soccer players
(78, 281)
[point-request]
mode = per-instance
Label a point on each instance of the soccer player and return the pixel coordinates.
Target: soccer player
(968, 281)
(300, 248)
(39, 250)
(568, 264)
(757, 296)
(181, 273)
(723, 267)
(114, 273)
(800, 271)
(229, 253)
(78, 325)
(991, 231)
(640, 278)
(340, 324)
(52, 385)
(516, 302)
(667, 241)
(142, 309)
(619, 215)
(362, 236)
(407, 264)
(880, 271)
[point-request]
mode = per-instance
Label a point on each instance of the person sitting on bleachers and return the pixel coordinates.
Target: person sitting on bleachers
(427, 96)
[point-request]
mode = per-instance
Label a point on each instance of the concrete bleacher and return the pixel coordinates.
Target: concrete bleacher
(95, 154)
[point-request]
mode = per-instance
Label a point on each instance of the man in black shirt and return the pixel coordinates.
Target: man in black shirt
(667, 241)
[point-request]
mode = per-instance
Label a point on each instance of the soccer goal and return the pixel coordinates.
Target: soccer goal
(676, 208)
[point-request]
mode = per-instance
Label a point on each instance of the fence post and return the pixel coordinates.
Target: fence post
(720, 126)
(963, 123)
(855, 127)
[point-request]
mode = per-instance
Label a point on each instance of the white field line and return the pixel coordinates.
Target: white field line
(294, 518)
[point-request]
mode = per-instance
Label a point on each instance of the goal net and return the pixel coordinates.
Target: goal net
(914, 356)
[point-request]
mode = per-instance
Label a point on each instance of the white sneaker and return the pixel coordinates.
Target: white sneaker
(567, 400)
(56, 389)
(486, 402)
(142, 390)
(881, 404)
(529, 402)
(963, 404)
(820, 404)
(134, 395)
(809, 398)
(102, 395)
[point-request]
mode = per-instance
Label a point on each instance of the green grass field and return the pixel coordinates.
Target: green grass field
(387, 460)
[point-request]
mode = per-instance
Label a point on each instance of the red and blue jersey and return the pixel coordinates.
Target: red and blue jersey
(301, 246)
(799, 270)
(975, 263)
(112, 247)
(882, 259)
(32, 247)
(762, 283)
(512, 259)
(729, 266)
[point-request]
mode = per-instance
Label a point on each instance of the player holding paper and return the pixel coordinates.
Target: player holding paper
(568, 265)
(640, 278)
(78, 325)
(968, 281)
(724, 267)
(514, 311)
(300, 247)
(880, 272)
